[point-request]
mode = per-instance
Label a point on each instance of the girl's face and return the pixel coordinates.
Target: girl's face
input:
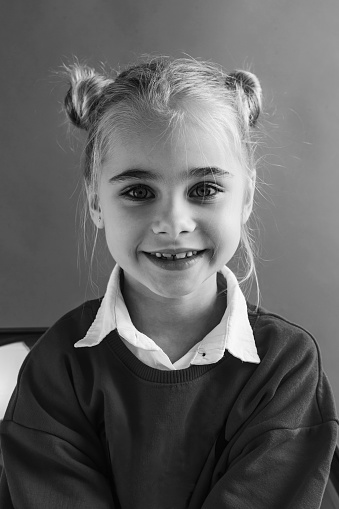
(172, 208)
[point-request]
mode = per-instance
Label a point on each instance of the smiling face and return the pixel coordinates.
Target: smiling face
(172, 209)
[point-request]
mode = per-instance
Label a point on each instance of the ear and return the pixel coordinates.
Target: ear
(249, 197)
(95, 209)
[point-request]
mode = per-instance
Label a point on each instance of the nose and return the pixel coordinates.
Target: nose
(173, 218)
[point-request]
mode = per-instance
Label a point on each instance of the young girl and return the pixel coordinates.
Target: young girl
(170, 392)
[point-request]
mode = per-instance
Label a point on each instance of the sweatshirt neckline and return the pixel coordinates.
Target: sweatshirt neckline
(161, 376)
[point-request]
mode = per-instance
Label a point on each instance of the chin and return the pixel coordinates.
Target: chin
(174, 292)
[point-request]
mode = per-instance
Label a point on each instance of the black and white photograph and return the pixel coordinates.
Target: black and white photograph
(169, 283)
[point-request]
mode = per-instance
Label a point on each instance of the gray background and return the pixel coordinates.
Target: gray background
(292, 46)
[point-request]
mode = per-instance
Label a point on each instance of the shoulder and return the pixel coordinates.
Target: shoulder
(69, 328)
(54, 353)
(289, 355)
(291, 365)
(50, 369)
(276, 336)
(55, 380)
(78, 319)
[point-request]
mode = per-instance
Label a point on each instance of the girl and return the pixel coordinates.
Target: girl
(170, 392)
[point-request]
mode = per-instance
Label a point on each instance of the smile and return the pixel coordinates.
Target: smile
(175, 261)
(177, 256)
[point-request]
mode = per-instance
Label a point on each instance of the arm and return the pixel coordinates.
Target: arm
(45, 471)
(53, 455)
(281, 469)
(281, 434)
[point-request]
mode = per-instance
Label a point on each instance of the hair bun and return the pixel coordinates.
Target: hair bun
(85, 91)
(249, 87)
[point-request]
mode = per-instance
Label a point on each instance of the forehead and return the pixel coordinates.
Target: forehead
(157, 146)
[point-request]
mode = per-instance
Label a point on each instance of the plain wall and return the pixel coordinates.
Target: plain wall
(291, 46)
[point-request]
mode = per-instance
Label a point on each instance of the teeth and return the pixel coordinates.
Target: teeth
(177, 256)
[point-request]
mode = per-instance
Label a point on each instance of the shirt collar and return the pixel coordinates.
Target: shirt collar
(233, 333)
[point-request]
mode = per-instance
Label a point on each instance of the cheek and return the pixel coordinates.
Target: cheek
(225, 226)
(229, 233)
(123, 235)
(228, 216)
(118, 235)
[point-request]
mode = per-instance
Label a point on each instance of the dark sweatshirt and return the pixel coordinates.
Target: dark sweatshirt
(95, 428)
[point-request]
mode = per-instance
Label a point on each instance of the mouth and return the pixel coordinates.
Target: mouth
(175, 256)
(175, 261)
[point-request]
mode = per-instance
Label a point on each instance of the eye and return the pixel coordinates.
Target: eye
(205, 191)
(138, 193)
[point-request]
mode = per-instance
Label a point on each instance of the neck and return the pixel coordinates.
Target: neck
(175, 324)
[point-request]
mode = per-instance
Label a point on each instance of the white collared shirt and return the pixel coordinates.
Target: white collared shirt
(233, 333)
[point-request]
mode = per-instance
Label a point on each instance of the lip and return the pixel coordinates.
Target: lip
(180, 264)
(173, 251)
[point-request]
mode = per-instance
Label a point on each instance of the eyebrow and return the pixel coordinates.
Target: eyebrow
(140, 174)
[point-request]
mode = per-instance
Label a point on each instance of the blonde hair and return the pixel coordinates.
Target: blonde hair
(169, 90)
